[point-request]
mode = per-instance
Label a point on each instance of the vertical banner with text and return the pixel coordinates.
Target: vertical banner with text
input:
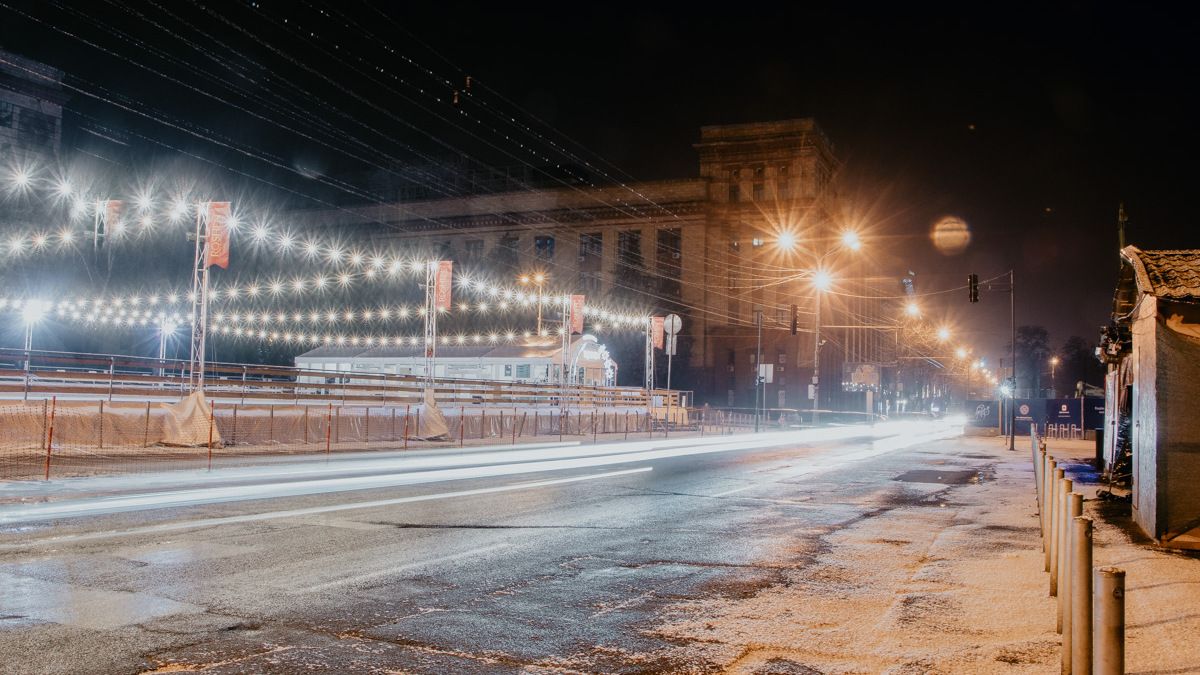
(217, 248)
(442, 279)
(656, 331)
(577, 314)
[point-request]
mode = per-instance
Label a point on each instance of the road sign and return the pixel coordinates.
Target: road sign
(672, 324)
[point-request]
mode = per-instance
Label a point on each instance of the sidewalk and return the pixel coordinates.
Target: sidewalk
(947, 579)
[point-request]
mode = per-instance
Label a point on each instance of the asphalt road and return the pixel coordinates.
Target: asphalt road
(552, 559)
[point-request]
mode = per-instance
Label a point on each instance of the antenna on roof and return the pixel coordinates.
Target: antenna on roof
(1122, 220)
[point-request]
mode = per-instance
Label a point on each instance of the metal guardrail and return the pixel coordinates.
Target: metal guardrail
(106, 376)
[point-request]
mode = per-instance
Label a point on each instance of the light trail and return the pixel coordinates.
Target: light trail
(416, 471)
(293, 513)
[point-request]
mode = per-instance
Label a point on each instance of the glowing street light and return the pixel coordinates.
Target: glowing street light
(822, 280)
(21, 179)
(537, 279)
(961, 352)
(912, 309)
(943, 334)
(851, 240)
(32, 314)
(786, 240)
(166, 329)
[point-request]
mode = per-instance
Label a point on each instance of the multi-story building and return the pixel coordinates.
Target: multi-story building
(31, 101)
(744, 237)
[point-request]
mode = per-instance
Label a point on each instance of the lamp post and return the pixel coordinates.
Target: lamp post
(32, 313)
(821, 282)
(537, 280)
(1053, 382)
(166, 328)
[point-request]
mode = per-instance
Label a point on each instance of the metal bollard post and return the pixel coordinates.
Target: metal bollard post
(50, 434)
(1060, 548)
(1066, 590)
(1055, 513)
(1108, 632)
(1081, 596)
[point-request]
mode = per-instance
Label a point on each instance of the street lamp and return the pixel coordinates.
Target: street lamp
(851, 240)
(32, 314)
(1053, 367)
(786, 240)
(537, 280)
(166, 328)
(821, 280)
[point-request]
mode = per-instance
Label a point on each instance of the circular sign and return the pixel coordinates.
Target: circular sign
(1024, 408)
(672, 324)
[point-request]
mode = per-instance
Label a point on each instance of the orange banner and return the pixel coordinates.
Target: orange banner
(216, 251)
(112, 212)
(656, 331)
(443, 276)
(577, 314)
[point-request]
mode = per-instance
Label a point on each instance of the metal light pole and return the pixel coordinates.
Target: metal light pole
(816, 377)
(1012, 404)
(758, 370)
(28, 343)
(33, 312)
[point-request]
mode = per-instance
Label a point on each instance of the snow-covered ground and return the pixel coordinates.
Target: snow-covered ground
(950, 583)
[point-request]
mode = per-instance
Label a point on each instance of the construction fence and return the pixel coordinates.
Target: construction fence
(59, 438)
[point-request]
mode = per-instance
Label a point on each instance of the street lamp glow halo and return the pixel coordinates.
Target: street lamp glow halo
(822, 280)
(851, 240)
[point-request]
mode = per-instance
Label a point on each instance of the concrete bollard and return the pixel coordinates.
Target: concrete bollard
(1051, 468)
(1081, 596)
(1066, 590)
(1055, 513)
(1108, 632)
(1060, 550)
(1039, 466)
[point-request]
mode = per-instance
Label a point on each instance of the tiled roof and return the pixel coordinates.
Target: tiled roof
(1166, 274)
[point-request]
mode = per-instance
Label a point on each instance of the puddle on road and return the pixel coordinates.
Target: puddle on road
(944, 477)
(175, 553)
(37, 601)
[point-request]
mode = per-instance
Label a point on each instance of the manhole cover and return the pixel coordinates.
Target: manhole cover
(936, 476)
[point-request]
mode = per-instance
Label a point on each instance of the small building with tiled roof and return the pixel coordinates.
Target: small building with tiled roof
(1153, 390)
(529, 360)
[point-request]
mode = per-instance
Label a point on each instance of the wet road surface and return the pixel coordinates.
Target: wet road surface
(562, 559)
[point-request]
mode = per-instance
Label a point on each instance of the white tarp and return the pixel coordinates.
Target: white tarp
(432, 424)
(186, 423)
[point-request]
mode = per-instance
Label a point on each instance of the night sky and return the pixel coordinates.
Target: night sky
(1031, 126)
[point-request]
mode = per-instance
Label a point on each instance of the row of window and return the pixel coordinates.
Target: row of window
(591, 249)
(35, 128)
(758, 191)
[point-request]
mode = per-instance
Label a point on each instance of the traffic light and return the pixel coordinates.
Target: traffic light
(795, 318)
(973, 287)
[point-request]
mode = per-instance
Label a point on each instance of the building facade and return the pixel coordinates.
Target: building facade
(744, 237)
(31, 110)
(1152, 349)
